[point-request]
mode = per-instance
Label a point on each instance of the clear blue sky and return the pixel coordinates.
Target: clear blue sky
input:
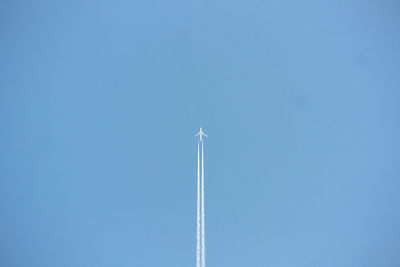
(99, 102)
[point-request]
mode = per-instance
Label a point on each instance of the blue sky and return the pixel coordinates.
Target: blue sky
(99, 102)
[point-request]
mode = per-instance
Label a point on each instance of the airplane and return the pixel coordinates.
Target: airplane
(201, 133)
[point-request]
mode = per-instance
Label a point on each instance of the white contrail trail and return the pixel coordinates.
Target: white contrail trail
(198, 208)
(200, 231)
(203, 245)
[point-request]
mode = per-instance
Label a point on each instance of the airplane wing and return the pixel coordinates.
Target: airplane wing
(205, 135)
(197, 134)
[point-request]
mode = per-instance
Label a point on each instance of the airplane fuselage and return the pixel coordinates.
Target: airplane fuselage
(201, 134)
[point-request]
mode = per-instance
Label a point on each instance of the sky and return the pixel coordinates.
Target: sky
(100, 101)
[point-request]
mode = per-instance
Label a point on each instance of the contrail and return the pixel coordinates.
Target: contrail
(200, 234)
(203, 245)
(198, 207)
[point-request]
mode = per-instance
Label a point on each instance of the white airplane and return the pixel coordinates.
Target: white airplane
(201, 133)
